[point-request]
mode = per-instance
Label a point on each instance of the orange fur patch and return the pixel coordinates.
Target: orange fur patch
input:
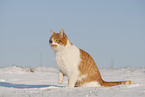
(88, 67)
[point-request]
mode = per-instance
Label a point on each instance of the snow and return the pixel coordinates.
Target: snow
(43, 82)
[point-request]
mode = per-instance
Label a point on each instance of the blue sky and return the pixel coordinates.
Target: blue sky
(111, 31)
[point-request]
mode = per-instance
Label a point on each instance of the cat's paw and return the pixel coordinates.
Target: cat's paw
(60, 82)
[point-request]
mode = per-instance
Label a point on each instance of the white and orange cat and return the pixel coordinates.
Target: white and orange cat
(77, 64)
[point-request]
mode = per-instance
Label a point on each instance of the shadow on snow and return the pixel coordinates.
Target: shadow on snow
(24, 86)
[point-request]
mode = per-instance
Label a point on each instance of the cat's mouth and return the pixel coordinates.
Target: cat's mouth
(54, 45)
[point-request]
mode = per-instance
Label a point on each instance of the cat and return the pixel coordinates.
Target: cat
(77, 64)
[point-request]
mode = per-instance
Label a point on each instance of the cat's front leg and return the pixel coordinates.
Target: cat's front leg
(61, 77)
(72, 80)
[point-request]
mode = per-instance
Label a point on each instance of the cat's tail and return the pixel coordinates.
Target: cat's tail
(109, 84)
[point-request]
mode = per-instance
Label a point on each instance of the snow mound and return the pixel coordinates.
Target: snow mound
(18, 69)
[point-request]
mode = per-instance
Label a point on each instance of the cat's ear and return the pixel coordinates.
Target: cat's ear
(62, 33)
(52, 32)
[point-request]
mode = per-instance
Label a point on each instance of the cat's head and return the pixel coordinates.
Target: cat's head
(58, 40)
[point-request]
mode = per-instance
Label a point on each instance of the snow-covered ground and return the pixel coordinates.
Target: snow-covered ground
(43, 82)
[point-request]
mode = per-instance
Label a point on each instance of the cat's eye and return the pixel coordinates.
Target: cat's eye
(50, 41)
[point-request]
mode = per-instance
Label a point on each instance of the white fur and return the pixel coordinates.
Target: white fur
(68, 59)
(91, 84)
(82, 77)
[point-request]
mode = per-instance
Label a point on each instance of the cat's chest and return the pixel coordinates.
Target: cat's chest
(68, 59)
